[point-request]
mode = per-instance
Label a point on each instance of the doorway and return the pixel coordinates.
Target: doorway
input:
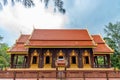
(86, 59)
(34, 59)
(47, 60)
(73, 59)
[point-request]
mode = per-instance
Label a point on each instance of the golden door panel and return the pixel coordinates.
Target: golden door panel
(47, 59)
(86, 59)
(73, 59)
(34, 60)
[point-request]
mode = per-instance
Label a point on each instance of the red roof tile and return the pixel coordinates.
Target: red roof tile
(98, 39)
(101, 45)
(61, 43)
(19, 46)
(103, 48)
(23, 38)
(60, 37)
(60, 34)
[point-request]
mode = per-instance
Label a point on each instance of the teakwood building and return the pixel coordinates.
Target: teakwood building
(44, 46)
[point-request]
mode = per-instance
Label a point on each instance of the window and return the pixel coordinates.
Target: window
(34, 60)
(73, 59)
(86, 60)
(60, 58)
(47, 60)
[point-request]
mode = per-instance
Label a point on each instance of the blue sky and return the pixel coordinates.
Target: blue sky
(90, 14)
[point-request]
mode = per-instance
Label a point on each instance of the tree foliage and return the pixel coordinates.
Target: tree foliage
(4, 57)
(113, 40)
(58, 4)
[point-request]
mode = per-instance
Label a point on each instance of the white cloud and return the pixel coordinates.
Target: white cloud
(17, 18)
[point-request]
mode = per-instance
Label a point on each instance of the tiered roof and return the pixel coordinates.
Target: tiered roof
(19, 46)
(102, 47)
(60, 38)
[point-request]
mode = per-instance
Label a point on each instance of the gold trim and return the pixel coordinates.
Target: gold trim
(34, 54)
(103, 53)
(86, 54)
(60, 53)
(48, 53)
(59, 47)
(73, 53)
(17, 53)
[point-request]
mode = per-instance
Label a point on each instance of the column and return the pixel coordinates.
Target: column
(29, 57)
(91, 58)
(108, 59)
(104, 61)
(12, 61)
(97, 61)
(16, 61)
(41, 64)
(39, 58)
(23, 64)
(80, 61)
(68, 58)
(53, 51)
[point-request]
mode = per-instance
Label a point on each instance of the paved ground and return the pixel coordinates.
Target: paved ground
(68, 79)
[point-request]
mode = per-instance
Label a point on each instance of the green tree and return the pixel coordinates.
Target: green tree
(113, 40)
(4, 57)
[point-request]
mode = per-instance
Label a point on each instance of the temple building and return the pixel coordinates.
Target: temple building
(43, 47)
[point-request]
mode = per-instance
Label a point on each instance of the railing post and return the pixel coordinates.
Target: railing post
(107, 75)
(65, 73)
(83, 75)
(14, 75)
(56, 72)
(37, 75)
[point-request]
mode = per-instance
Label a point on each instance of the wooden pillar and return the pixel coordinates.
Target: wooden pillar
(92, 60)
(54, 52)
(97, 61)
(23, 64)
(80, 58)
(12, 61)
(67, 57)
(39, 61)
(16, 61)
(24, 61)
(104, 61)
(91, 57)
(29, 57)
(108, 59)
(41, 58)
